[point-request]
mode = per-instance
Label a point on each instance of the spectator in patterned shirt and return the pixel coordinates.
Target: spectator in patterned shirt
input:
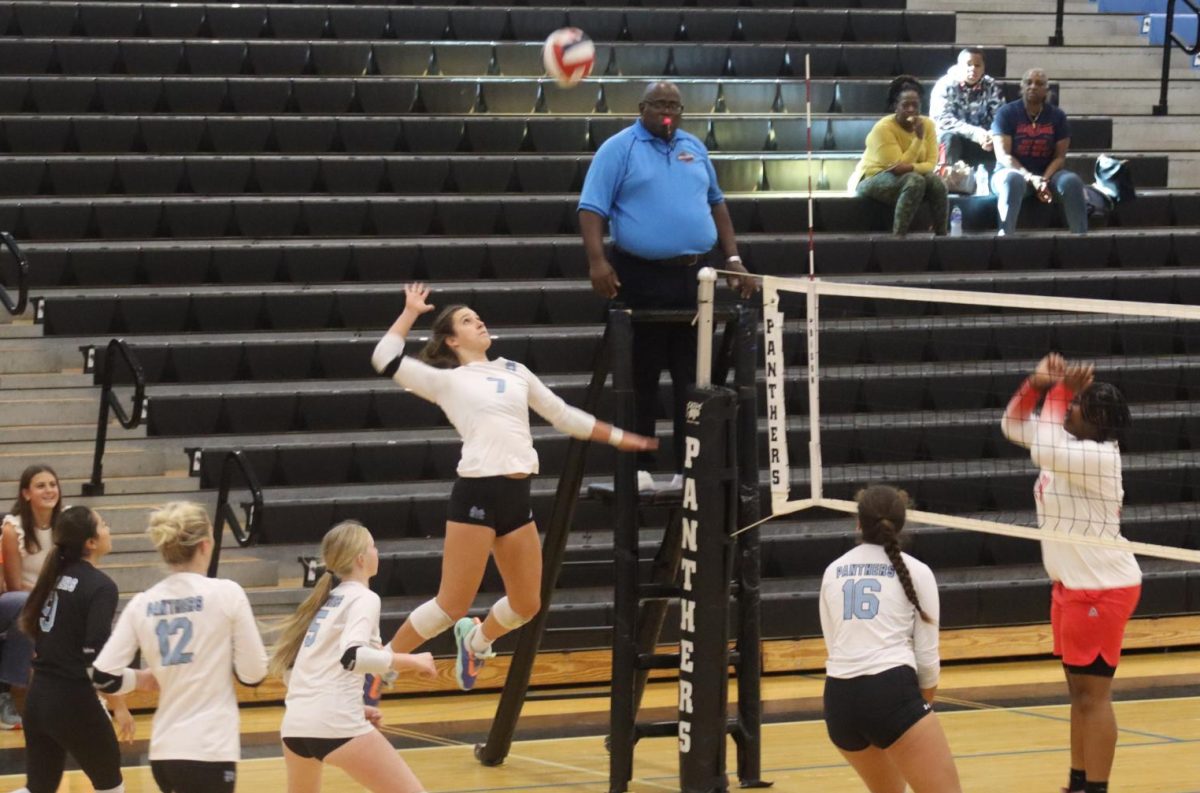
(963, 103)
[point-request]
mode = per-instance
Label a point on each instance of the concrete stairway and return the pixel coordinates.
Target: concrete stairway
(48, 413)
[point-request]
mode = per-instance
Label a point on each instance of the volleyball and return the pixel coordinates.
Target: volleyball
(568, 56)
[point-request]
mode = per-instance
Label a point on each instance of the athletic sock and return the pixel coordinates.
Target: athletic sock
(478, 642)
(1096, 787)
(1078, 779)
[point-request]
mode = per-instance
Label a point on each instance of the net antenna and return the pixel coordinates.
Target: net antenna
(813, 288)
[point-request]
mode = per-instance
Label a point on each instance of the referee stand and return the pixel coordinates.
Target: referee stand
(720, 493)
(723, 479)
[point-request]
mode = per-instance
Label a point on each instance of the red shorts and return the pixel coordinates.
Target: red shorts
(1090, 622)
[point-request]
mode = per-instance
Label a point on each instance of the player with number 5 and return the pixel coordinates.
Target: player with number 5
(488, 402)
(879, 616)
(192, 632)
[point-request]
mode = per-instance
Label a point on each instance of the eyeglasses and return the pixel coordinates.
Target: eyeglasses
(665, 105)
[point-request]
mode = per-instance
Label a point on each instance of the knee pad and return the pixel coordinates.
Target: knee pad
(506, 616)
(428, 619)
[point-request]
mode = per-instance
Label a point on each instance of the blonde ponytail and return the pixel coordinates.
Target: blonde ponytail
(340, 547)
(177, 529)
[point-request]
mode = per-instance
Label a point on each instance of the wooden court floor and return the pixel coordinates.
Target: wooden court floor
(1007, 724)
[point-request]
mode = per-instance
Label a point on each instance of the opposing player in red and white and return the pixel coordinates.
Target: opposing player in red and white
(488, 402)
(323, 652)
(194, 633)
(879, 616)
(1075, 441)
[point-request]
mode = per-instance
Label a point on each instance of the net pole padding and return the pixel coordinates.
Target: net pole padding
(710, 488)
(1024, 532)
(748, 730)
(812, 335)
(622, 705)
(992, 299)
(554, 548)
(704, 325)
(773, 363)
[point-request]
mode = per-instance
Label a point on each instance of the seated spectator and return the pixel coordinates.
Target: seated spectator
(897, 168)
(25, 541)
(1031, 138)
(963, 103)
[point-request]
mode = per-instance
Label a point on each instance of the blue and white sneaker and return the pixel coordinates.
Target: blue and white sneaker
(466, 663)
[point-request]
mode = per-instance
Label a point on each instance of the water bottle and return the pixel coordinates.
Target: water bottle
(956, 222)
(981, 181)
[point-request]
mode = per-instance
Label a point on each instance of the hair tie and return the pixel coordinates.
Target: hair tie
(335, 579)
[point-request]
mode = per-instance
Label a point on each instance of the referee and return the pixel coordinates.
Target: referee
(655, 186)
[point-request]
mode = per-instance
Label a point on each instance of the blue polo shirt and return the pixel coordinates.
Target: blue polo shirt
(657, 196)
(1032, 143)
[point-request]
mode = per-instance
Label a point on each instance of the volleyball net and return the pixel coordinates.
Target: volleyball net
(906, 385)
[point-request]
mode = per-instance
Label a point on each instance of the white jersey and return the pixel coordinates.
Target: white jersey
(1078, 493)
(31, 563)
(488, 403)
(193, 632)
(324, 699)
(868, 622)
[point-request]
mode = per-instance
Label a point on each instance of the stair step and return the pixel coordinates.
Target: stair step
(18, 330)
(27, 359)
(118, 462)
(43, 380)
(58, 433)
(1095, 30)
(1113, 63)
(125, 485)
(136, 577)
(47, 410)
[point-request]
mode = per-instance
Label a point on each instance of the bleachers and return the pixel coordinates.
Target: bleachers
(241, 190)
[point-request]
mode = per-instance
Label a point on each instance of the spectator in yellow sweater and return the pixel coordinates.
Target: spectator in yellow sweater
(897, 168)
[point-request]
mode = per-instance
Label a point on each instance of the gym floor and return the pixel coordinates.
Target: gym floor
(1007, 724)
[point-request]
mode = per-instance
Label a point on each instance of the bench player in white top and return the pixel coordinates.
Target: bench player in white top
(1075, 441)
(192, 632)
(488, 402)
(879, 616)
(323, 653)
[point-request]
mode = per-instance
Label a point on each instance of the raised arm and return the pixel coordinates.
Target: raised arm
(1018, 424)
(577, 423)
(389, 359)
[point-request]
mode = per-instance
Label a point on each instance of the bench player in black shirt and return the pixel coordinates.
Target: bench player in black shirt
(69, 615)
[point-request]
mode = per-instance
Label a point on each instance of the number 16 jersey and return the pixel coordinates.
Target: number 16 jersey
(868, 622)
(194, 633)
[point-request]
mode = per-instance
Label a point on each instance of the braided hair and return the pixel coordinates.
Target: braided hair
(905, 82)
(1103, 406)
(881, 512)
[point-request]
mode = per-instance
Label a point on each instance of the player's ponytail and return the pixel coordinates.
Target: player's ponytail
(340, 547)
(436, 351)
(73, 528)
(178, 529)
(881, 514)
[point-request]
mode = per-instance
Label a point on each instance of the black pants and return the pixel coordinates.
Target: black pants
(193, 776)
(952, 148)
(65, 716)
(656, 345)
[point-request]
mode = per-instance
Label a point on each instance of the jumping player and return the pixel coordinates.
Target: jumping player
(488, 402)
(879, 616)
(69, 615)
(192, 632)
(1075, 441)
(323, 652)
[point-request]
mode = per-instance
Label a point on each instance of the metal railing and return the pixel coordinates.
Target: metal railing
(1171, 40)
(117, 348)
(16, 306)
(245, 533)
(1057, 39)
